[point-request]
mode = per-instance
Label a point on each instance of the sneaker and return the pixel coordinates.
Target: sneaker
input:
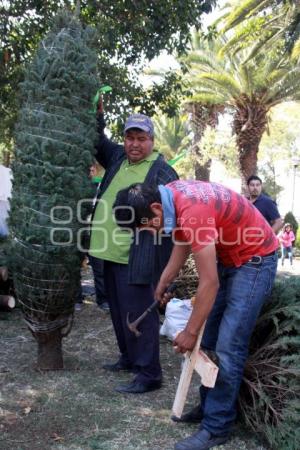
(78, 306)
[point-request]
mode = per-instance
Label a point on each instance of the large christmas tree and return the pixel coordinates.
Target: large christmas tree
(55, 137)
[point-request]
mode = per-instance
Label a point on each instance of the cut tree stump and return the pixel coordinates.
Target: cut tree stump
(199, 361)
(7, 302)
(50, 355)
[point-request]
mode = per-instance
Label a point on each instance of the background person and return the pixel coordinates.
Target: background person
(215, 223)
(130, 269)
(85, 289)
(5, 194)
(264, 203)
(286, 239)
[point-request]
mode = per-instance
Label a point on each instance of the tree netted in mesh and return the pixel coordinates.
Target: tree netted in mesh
(55, 137)
(269, 397)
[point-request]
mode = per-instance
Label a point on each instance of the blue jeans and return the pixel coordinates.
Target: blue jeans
(242, 293)
(286, 252)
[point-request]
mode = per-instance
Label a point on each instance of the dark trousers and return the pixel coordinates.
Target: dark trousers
(98, 272)
(141, 353)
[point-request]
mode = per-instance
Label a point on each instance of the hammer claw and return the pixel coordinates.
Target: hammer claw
(133, 326)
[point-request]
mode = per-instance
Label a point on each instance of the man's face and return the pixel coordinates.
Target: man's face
(138, 145)
(255, 188)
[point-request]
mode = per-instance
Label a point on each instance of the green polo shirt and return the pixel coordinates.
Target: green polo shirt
(108, 241)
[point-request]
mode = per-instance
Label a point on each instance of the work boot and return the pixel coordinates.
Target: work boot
(195, 415)
(202, 440)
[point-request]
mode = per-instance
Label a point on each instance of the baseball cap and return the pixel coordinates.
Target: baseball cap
(140, 121)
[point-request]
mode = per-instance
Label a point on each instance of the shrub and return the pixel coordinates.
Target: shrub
(297, 243)
(269, 396)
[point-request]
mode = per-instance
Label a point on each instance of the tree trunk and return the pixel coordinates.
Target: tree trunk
(202, 116)
(50, 355)
(202, 171)
(249, 124)
(248, 163)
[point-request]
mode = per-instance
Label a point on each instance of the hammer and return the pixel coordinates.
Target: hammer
(133, 325)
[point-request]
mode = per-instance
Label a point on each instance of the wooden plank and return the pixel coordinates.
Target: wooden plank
(185, 377)
(199, 361)
(207, 370)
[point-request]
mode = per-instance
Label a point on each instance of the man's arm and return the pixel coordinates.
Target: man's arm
(277, 225)
(106, 150)
(273, 218)
(177, 259)
(207, 290)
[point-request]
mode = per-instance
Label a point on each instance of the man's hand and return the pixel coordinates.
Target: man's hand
(163, 293)
(277, 225)
(185, 341)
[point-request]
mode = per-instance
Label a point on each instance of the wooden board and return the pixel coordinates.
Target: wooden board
(199, 361)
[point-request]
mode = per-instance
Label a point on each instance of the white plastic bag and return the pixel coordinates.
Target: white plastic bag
(176, 316)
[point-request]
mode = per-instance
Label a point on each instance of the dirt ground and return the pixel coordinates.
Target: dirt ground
(77, 408)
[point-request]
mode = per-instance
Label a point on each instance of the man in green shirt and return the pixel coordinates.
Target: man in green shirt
(131, 267)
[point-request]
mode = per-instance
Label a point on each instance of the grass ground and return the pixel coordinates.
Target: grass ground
(77, 408)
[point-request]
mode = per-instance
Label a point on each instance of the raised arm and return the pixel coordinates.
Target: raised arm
(106, 150)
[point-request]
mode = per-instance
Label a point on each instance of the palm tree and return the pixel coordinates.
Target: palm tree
(173, 139)
(203, 111)
(172, 135)
(248, 87)
(267, 22)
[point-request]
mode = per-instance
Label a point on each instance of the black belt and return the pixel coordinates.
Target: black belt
(258, 259)
(269, 254)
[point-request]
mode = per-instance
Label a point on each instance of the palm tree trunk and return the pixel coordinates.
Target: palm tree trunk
(248, 162)
(202, 170)
(201, 117)
(249, 124)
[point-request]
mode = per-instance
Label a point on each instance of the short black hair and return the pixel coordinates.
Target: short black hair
(132, 204)
(253, 177)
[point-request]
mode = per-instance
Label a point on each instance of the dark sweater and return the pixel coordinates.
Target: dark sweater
(267, 208)
(146, 260)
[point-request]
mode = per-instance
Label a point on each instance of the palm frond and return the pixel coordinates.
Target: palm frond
(203, 61)
(223, 81)
(296, 50)
(242, 11)
(207, 98)
(258, 45)
(284, 88)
